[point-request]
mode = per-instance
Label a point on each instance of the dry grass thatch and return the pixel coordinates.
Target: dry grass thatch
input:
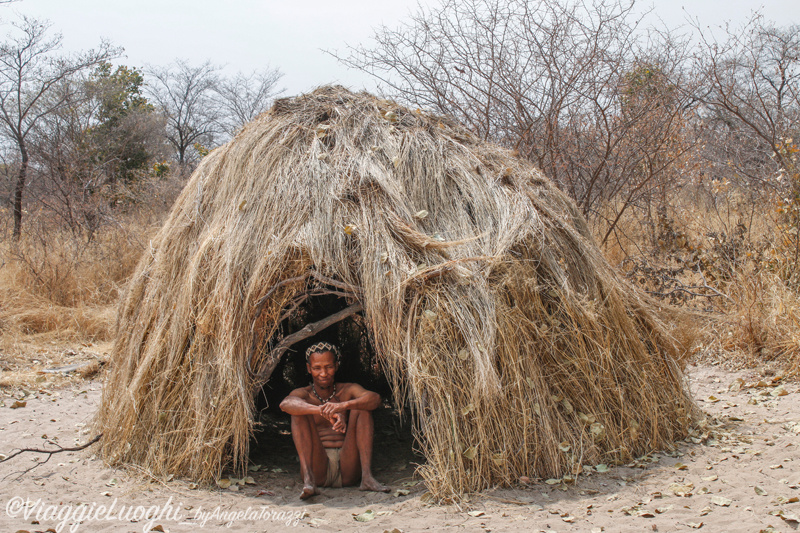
(489, 305)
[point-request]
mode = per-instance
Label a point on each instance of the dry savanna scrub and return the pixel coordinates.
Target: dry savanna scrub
(491, 311)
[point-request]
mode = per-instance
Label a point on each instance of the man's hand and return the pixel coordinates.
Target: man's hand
(339, 423)
(332, 408)
(334, 412)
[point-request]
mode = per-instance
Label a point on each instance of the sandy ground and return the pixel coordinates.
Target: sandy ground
(739, 473)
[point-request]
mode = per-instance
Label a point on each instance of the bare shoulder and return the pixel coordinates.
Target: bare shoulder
(348, 391)
(302, 392)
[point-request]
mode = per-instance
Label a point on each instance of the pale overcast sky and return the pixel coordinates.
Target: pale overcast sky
(288, 34)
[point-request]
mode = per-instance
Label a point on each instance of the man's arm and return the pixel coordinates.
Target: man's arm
(296, 404)
(360, 398)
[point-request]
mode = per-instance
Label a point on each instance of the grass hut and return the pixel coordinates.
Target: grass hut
(488, 305)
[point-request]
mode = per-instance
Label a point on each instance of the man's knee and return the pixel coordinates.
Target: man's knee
(357, 416)
(301, 422)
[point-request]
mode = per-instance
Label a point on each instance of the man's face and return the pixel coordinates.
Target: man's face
(322, 367)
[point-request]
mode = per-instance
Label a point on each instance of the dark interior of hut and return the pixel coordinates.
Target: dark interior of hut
(272, 447)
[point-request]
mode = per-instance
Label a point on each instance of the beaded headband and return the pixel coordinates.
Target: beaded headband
(323, 347)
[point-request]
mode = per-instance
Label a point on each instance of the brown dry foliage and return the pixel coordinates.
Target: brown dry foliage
(729, 263)
(495, 314)
(55, 285)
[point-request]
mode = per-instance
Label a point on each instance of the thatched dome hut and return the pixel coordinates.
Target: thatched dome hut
(488, 305)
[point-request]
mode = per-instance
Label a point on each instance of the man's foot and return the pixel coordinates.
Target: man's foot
(309, 490)
(370, 483)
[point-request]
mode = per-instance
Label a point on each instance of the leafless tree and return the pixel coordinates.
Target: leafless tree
(30, 70)
(751, 112)
(185, 94)
(752, 98)
(553, 80)
(244, 97)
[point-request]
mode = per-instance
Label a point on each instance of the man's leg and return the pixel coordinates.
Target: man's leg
(356, 457)
(313, 460)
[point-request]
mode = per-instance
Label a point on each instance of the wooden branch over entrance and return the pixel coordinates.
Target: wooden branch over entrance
(308, 330)
(341, 289)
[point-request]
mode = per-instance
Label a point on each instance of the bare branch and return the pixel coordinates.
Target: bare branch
(57, 450)
(30, 73)
(309, 330)
(244, 97)
(185, 95)
(571, 85)
(345, 291)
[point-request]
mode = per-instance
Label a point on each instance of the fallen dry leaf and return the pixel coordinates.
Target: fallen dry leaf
(681, 489)
(476, 514)
(366, 516)
(721, 501)
(789, 517)
(736, 385)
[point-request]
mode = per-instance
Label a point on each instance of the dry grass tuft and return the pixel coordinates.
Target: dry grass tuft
(761, 324)
(491, 309)
(56, 286)
(728, 261)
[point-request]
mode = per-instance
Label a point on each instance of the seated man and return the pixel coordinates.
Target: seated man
(332, 426)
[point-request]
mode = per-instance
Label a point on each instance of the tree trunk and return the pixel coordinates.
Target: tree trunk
(18, 189)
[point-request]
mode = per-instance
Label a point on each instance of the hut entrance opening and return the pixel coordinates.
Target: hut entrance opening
(273, 446)
(358, 361)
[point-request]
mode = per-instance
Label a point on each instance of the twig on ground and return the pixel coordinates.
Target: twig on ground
(51, 452)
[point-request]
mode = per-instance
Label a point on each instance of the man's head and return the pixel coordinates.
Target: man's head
(322, 361)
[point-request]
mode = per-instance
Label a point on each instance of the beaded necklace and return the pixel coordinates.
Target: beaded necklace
(323, 402)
